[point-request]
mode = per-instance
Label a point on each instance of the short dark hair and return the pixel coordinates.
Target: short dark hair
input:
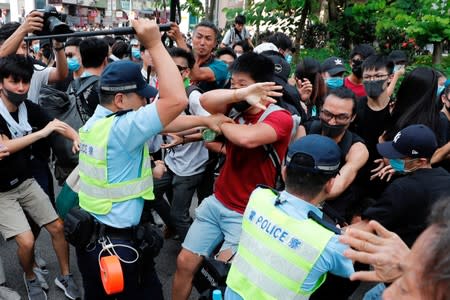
(109, 40)
(259, 67)
(302, 182)
(17, 66)
(343, 93)
(75, 41)
(7, 30)
(206, 23)
(105, 98)
(120, 49)
(240, 19)
(244, 44)
(179, 52)
(365, 50)
(93, 52)
(377, 62)
(225, 50)
(281, 40)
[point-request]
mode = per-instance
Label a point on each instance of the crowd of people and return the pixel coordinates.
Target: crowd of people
(309, 178)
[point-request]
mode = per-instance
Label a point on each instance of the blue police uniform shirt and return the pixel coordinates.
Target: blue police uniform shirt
(124, 154)
(331, 260)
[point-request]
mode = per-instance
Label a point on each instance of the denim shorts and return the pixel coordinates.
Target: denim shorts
(213, 224)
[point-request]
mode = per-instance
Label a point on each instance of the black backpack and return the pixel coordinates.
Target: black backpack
(71, 108)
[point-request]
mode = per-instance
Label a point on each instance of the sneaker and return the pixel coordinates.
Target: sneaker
(8, 294)
(41, 278)
(34, 290)
(69, 287)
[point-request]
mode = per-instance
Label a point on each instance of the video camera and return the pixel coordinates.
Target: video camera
(54, 23)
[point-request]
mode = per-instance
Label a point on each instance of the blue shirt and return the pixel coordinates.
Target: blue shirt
(331, 260)
(128, 134)
(221, 74)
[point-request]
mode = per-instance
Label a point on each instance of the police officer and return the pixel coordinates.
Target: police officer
(115, 173)
(285, 249)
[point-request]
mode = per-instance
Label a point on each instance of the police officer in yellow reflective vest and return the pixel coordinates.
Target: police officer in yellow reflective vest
(286, 249)
(115, 172)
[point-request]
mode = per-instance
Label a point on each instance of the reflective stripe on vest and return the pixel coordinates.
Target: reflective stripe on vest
(96, 194)
(276, 252)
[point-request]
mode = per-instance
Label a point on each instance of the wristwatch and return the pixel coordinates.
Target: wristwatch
(60, 48)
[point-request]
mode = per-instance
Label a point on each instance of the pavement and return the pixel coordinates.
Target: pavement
(165, 266)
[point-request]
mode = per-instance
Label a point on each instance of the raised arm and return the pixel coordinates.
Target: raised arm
(172, 95)
(61, 71)
(220, 101)
(33, 22)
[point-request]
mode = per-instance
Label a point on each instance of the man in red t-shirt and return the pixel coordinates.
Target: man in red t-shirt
(247, 164)
(354, 80)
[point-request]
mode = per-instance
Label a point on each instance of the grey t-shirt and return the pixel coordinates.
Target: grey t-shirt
(189, 159)
(231, 37)
(39, 78)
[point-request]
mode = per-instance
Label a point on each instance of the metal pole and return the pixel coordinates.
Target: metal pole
(117, 31)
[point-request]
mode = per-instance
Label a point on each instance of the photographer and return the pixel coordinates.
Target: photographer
(12, 39)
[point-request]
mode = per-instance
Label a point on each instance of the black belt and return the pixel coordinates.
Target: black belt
(119, 233)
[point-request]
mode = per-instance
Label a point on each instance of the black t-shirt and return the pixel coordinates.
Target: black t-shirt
(15, 167)
(405, 204)
(344, 202)
(370, 125)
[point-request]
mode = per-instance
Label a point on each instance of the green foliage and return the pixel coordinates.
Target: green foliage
(426, 60)
(321, 53)
(194, 7)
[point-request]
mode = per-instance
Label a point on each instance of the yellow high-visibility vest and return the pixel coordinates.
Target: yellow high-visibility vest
(96, 194)
(276, 252)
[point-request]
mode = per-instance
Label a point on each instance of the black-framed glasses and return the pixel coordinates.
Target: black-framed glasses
(69, 55)
(375, 77)
(181, 68)
(340, 118)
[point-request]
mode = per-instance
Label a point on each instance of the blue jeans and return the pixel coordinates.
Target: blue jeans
(375, 293)
(140, 281)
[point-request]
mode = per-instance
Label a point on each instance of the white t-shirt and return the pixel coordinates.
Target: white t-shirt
(189, 159)
(37, 80)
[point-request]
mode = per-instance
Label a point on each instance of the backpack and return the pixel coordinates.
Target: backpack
(71, 108)
(270, 149)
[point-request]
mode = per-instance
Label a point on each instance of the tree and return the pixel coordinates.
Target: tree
(196, 8)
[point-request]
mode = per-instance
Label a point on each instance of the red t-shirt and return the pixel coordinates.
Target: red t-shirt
(245, 168)
(358, 89)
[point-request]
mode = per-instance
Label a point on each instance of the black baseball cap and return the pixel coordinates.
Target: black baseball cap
(415, 141)
(124, 76)
(333, 65)
(322, 154)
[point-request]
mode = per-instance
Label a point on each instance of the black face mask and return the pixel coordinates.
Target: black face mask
(374, 88)
(332, 131)
(357, 69)
(241, 106)
(15, 98)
